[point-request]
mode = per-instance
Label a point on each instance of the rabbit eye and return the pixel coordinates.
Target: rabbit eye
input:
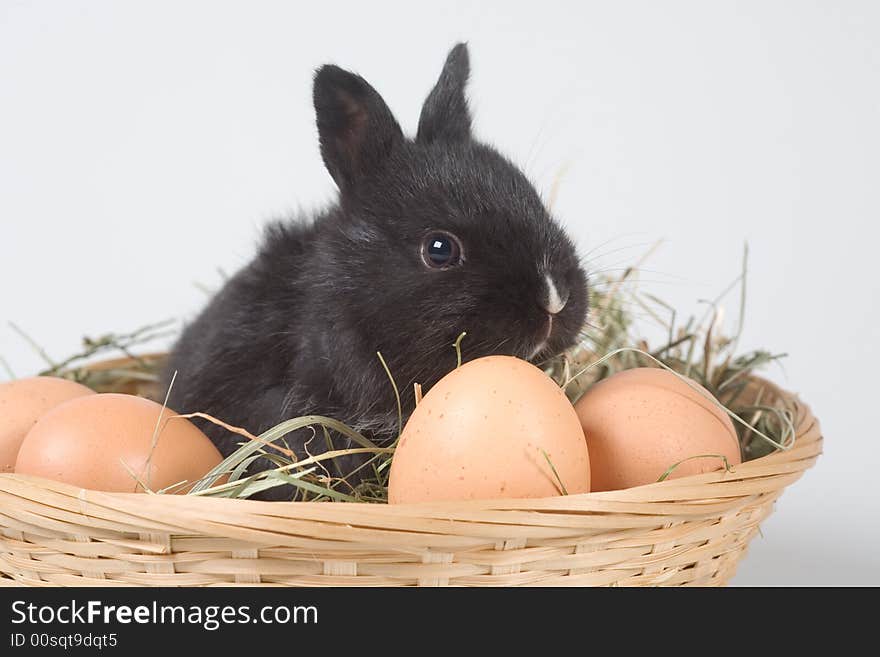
(441, 250)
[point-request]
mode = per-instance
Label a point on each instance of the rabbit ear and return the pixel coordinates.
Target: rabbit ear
(445, 115)
(356, 129)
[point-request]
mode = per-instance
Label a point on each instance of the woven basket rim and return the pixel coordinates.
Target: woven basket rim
(692, 530)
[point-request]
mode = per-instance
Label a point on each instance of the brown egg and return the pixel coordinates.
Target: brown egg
(482, 432)
(85, 441)
(640, 422)
(22, 403)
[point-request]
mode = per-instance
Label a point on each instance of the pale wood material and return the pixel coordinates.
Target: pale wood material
(689, 531)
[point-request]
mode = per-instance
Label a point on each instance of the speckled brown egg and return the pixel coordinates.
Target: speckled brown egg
(640, 422)
(486, 431)
(22, 403)
(105, 442)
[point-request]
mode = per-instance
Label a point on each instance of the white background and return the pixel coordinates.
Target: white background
(142, 145)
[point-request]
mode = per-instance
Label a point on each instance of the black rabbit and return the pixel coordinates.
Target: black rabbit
(430, 237)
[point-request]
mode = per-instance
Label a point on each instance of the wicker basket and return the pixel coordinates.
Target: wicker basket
(687, 531)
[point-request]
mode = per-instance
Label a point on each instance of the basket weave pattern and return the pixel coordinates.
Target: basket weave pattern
(687, 531)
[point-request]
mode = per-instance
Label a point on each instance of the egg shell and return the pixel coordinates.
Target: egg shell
(22, 403)
(481, 433)
(84, 442)
(639, 422)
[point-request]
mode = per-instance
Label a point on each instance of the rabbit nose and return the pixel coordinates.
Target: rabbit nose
(555, 298)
